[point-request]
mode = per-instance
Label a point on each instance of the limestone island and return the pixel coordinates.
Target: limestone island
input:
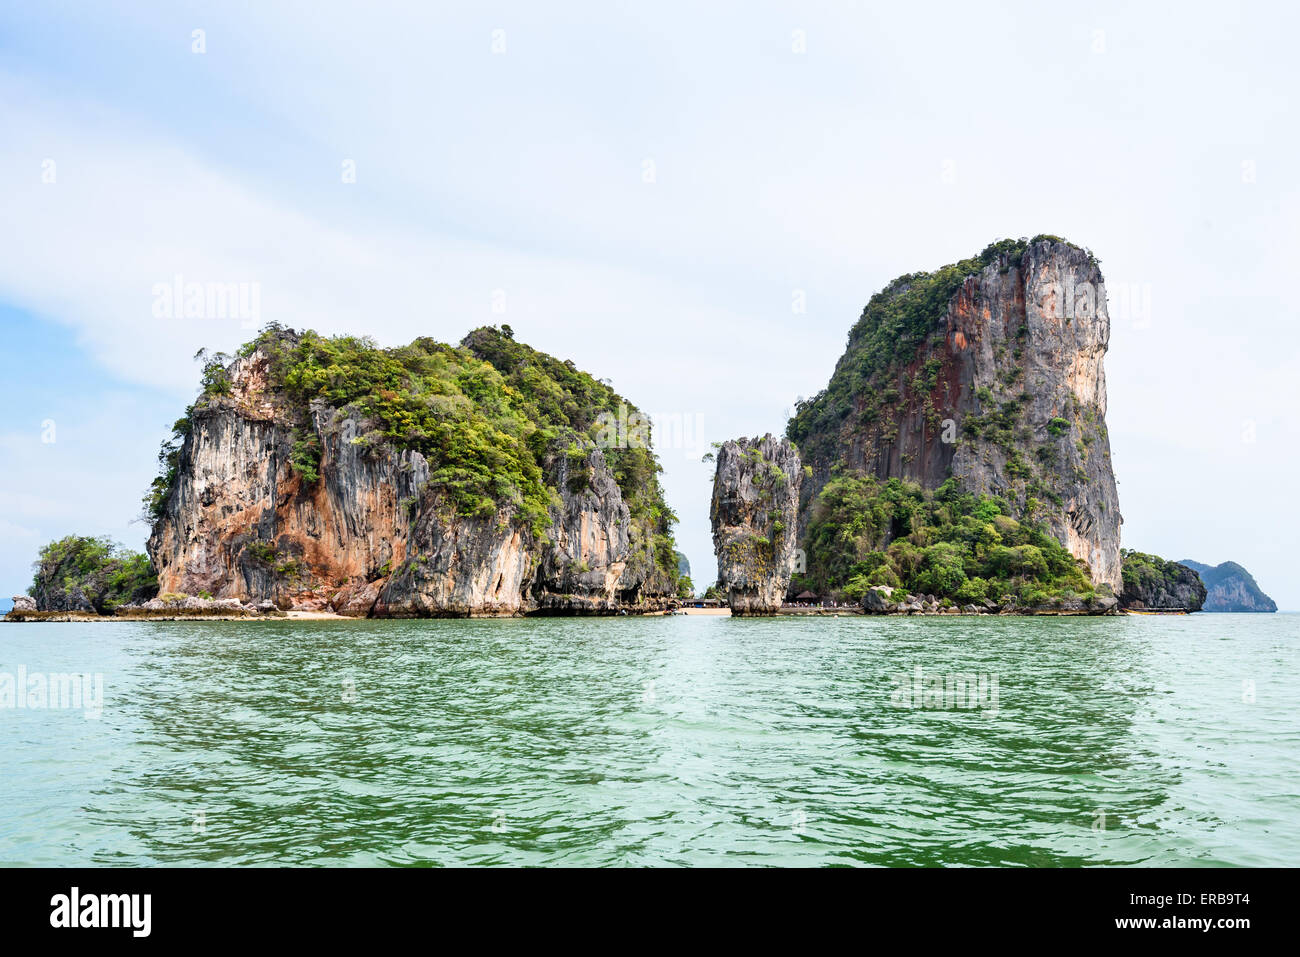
(957, 462)
(329, 475)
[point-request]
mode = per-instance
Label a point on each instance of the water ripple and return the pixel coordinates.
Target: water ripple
(674, 741)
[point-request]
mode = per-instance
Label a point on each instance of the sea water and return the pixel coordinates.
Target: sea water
(698, 740)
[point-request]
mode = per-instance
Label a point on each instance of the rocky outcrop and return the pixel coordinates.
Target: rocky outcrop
(1004, 389)
(754, 510)
(161, 608)
(192, 606)
(73, 598)
(85, 575)
(372, 536)
(594, 564)
(1153, 584)
(1230, 588)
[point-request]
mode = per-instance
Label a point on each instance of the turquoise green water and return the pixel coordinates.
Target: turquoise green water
(687, 740)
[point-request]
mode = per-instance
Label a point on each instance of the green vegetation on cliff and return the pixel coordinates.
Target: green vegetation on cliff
(567, 405)
(1142, 569)
(947, 543)
(895, 323)
(1156, 583)
(83, 573)
(487, 415)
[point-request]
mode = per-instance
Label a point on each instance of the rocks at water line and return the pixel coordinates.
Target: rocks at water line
(882, 600)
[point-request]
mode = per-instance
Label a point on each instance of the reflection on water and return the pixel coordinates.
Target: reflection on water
(687, 740)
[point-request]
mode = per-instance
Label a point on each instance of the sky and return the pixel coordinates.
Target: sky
(651, 190)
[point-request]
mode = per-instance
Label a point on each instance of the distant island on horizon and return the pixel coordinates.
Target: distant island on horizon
(1230, 588)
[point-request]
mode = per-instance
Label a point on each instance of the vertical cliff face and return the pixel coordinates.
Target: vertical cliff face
(989, 371)
(754, 513)
(375, 531)
(597, 561)
(241, 523)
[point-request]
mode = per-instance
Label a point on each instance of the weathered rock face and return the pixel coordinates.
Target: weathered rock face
(1235, 594)
(24, 603)
(370, 537)
(754, 511)
(593, 564)
(1230, 588)
(1180, 589)
(72, 599)
(1007, 393)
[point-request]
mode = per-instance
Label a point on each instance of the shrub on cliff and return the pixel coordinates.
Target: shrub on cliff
(1154, 583)
(80, 573)
(893, 325)
(894, 322)
(486, 415)
(947, 543)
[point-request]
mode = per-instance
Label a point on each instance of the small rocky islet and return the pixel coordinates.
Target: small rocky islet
(957, 462)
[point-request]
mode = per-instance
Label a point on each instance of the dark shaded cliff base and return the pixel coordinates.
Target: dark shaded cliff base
(280, 616)
(245, 614)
